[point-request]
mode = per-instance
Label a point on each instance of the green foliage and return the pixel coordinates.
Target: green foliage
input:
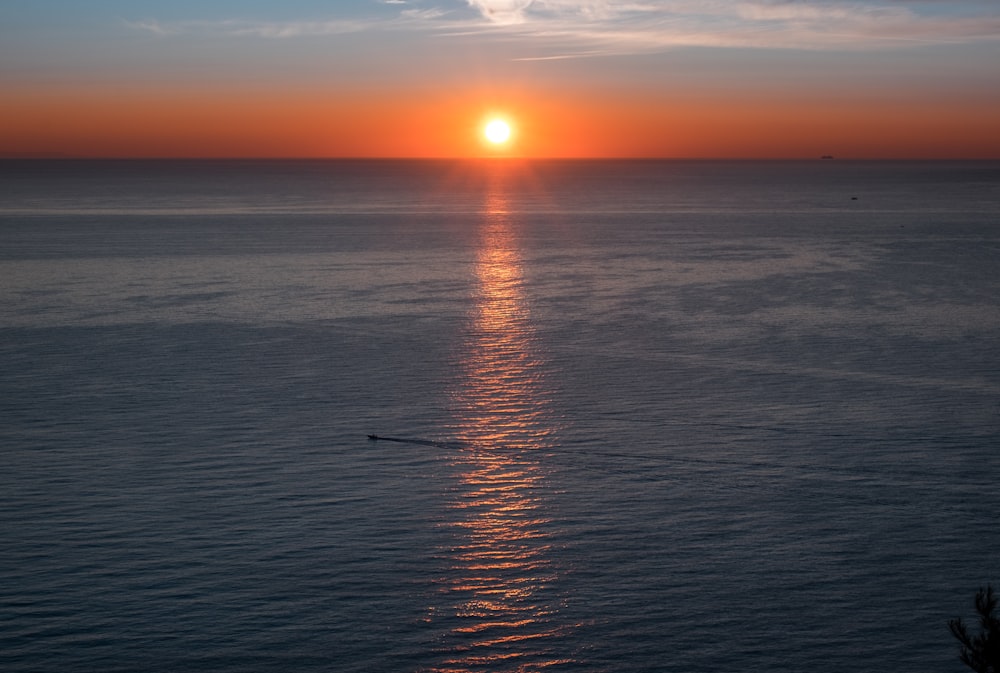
(981, 652)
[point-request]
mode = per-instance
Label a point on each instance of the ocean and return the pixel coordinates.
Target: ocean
(671, 416)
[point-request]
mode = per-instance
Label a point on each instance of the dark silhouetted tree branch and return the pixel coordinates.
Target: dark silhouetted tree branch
(981, 652)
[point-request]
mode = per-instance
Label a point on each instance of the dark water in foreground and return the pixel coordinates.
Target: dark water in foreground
(658, 416)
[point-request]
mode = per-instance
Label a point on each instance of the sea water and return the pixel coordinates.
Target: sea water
(633, 415)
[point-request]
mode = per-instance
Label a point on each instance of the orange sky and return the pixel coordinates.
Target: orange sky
(577, 78)
(200, 123)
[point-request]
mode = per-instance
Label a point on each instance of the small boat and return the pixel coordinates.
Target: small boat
(373, 437)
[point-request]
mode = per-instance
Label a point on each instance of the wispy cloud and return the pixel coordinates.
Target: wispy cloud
(588, 27)
(502, 12)
(407, 18)
(246, 28)
(553, 29)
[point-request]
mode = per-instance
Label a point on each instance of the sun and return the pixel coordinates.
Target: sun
(497, 131)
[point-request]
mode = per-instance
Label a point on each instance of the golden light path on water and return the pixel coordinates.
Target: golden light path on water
(500, 588)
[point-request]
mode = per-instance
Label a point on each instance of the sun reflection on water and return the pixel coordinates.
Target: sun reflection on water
(500, 594)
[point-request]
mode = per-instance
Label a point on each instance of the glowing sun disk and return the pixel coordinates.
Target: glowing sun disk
(497, 131)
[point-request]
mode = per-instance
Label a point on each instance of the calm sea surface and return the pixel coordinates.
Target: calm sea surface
(634, 416)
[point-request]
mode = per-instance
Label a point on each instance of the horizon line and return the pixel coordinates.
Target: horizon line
(57, 156)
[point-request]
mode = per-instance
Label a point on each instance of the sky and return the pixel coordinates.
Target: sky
(573, 78)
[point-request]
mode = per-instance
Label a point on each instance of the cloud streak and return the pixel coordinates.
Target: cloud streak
(581, 28)
(408, 18)
(601, 26)
(244, 28)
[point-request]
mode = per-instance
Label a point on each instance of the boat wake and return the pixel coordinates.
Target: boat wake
(423, 442)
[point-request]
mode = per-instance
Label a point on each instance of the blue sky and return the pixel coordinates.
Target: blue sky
(117, 40)
(389, 39)
(714, 20)
(525, 28)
